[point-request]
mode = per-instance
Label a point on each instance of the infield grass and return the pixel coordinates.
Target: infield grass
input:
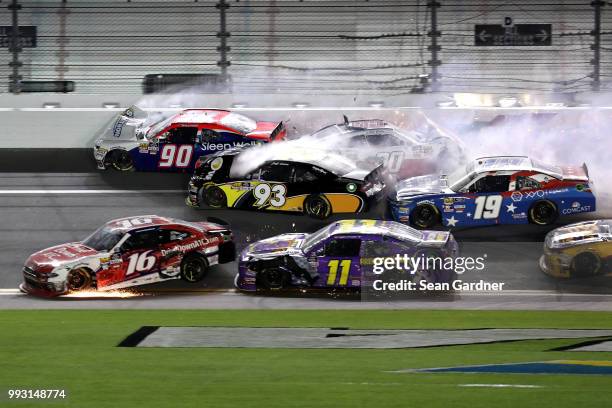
(76, 350)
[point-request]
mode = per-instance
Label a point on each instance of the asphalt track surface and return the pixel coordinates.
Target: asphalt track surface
(47, 208)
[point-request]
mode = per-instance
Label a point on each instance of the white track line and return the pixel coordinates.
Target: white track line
(59, 192)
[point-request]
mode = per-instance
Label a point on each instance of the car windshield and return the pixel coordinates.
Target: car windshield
(457, 175)
(328, 131)
(239, 122)
(158, 127)
(317, 236)
(103, 239)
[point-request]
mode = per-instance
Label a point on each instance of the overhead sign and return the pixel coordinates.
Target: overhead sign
(525, 35)
(27, 36)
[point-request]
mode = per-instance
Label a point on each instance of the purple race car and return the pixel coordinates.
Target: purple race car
(343, 254)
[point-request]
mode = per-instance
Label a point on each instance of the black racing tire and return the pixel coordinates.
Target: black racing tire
(543, 213)
(424, 216)
(121, 160)
(317, 206)
(214, 197)
(79, 279)
(584, 265)
(273, 278)
(194, 268)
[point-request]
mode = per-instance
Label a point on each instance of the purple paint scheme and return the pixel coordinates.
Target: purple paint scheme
(339, 255)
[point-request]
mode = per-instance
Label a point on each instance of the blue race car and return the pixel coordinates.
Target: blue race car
(493, 190)
(137, 140)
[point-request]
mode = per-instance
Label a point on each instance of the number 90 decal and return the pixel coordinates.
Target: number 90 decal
(274, 195)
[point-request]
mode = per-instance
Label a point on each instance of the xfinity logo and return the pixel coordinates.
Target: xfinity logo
(225, 146)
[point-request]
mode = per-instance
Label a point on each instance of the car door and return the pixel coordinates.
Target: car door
(270, 185)
(484, 200)
(137, 259)
(338, 263)
(176, 149)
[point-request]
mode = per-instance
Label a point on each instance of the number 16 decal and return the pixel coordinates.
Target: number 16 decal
(487, 207)
(171, 156)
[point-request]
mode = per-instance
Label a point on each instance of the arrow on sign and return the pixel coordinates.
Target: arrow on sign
(483, 36)
(543, 36)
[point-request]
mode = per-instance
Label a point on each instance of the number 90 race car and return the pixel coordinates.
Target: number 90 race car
(139, 141)
(578, 250)
(493, 190)
(129, 252)
(340, 255)
(315, 183)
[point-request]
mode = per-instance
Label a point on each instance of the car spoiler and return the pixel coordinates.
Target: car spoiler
(277, 130)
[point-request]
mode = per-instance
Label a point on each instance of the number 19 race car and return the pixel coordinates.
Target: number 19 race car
(135, 140)
(339, 255)
(494, 190)
(129, 252)
(578, 250)
(315, 183)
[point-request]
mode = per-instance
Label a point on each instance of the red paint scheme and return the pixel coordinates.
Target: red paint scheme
(116, 267)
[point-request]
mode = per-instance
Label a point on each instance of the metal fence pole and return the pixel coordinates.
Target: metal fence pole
(596, 46)
(15, 49)
(433, 5)
(223, 34)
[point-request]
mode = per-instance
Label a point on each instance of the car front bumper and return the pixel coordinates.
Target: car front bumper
(551, 266)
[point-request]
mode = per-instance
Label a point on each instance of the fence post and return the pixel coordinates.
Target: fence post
(596, 46)
(223, 34)
(15, 49)
(433, 5)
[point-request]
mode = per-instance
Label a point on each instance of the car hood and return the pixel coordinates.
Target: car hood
(60, 254)
(415, 186)
(580, 233)
(278, 245)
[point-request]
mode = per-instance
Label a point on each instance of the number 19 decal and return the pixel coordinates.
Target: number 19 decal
(487, 207)
(171, 156)
(345, 267)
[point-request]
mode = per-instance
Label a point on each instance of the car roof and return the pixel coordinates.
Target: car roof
(513, 163)
(321, 158)
(144, 221)
(200, 116)
(377, 227)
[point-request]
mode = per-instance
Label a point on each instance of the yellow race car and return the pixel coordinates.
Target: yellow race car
(578, 250)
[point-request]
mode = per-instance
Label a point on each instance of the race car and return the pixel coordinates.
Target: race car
(493, 190)
(129, 252)
(578, 250)
(404, 153)
(316, 183)
(137, 140)
(341, 255)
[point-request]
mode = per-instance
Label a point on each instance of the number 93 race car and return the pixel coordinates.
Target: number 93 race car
(493, 190)
(341, 255)
(129, 252)
(315, 183)
(578, 250)
(137, 140)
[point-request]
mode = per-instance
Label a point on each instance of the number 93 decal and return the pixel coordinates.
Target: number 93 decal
(275, 195)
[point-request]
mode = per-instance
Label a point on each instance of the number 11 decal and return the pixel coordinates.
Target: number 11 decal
(345, 266)
(487, 207)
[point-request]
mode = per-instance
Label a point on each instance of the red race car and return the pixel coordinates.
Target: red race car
(130, 252)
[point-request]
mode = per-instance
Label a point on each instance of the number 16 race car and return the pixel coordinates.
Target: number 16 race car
(494, 190)
(135, 140)
(129, 252)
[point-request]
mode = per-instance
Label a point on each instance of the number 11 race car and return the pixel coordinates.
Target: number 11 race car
(135, 141)
(340, 255)
(129, 252)
(494, 190)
